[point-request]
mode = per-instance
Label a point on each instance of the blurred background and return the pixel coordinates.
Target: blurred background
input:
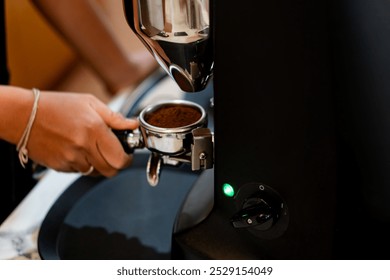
(39, 57)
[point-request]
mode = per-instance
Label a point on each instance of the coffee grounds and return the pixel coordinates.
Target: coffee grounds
(172, 116)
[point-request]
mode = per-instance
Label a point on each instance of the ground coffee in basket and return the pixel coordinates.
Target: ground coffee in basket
(172, 116)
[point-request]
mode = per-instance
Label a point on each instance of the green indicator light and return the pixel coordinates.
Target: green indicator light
(228, 190)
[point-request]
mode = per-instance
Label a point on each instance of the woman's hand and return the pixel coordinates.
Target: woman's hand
(72, 132)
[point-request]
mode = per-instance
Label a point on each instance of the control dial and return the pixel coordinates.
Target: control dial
(261, 210)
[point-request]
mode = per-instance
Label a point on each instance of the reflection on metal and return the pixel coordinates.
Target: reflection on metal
(177, 33)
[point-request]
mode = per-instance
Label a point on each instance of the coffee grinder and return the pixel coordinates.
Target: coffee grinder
(281, 187)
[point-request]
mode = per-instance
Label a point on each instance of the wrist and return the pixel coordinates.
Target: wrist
(15, 109)
(22, 144)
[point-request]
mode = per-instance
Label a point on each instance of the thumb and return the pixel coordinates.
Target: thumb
(119, 122)
(113, 119)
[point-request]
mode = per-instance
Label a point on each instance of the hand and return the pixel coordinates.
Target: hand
(72, 132)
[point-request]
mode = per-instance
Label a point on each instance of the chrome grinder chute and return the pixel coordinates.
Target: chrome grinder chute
(178, 34)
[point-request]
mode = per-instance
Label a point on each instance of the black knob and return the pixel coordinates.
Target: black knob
(260, 210)
(255, 213)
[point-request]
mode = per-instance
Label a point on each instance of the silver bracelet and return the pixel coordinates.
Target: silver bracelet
(22, 145)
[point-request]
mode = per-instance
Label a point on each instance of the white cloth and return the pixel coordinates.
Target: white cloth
(19, 231)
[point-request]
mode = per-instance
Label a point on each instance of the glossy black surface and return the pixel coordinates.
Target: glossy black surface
(306, 86)
(118, 218)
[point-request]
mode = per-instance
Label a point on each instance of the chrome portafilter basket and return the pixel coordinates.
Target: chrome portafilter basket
(175, 132)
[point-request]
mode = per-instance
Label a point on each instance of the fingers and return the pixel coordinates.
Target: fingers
(85, 168)
(113, 119)
(107, 155)
(108, 158)
(79, 135)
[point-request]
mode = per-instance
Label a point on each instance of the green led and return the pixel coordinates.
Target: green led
(228, 190)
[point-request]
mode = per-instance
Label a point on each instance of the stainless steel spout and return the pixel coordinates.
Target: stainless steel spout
(178, 34)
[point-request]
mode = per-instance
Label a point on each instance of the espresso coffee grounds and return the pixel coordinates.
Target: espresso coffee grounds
(173, 116)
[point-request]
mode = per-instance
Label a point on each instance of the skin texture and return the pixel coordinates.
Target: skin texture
(71, 131)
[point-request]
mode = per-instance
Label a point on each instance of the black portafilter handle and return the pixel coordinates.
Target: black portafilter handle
(129, 139)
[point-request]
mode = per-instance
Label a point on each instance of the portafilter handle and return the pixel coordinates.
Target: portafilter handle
(130, 139)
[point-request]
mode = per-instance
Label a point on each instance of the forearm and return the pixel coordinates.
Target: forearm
(85, 26)
(15, 109)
